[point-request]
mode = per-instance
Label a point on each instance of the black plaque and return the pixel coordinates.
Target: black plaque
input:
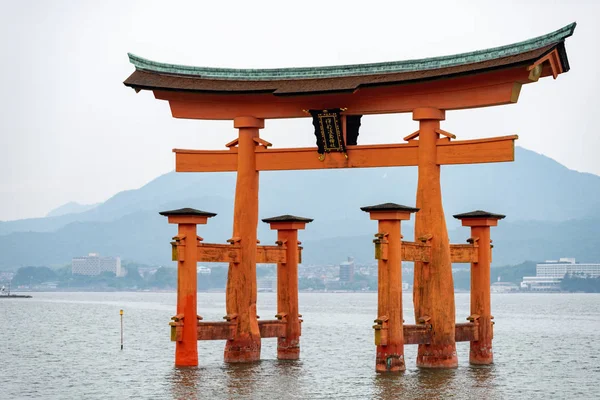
(328, 130)
(352, 127)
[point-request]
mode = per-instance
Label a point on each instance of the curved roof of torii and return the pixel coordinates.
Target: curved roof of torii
(151, 75)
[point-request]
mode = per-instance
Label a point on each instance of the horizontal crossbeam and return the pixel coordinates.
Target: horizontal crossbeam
(421, 252)
(417, 334)
(421, 333)
(226, 330)
(464, 253)
(467, 332)
(216, 330)
(272, 328)
(231, 253)
(271, 254)
(476, 151)
(498, 149)
(413, 333)
(208, 252)
(412, 251)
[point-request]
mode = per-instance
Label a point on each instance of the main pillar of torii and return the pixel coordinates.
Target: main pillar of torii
(433, 293)
(241, 278)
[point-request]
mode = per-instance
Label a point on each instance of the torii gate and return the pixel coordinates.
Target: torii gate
(427, 88)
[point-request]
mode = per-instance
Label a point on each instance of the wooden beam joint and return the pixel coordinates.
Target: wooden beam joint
(467, 331)
(413, 251)
(381, 246)
(464, 253)
(422, 333)
(445, 134)
(217, 330)
(262, 142)
(272, 328)
(271, 254)
(552, 59)
(233, 143)
(209, 252)
(417, 334)
(412, 136)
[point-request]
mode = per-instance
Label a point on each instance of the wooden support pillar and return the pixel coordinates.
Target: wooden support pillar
(433, 294)
(241, 279)
(480, 222)
(389, 332)
(288, 347)
(186, 348)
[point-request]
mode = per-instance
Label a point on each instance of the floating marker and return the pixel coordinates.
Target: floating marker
(121, 313)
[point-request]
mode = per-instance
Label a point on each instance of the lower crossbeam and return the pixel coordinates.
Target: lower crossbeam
(421, 333)
(226, 330)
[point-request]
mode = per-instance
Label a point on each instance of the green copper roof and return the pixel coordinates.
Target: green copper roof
(357, 69)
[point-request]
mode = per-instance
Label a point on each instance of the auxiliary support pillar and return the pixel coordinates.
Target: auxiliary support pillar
(480, 222)
(287, 226)
(389, 331)
(185, 249)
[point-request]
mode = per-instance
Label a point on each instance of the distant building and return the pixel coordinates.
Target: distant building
(93, 265)
(550, 273)
(203, 270)
(6, 276)
(347, 270)
(145, 272)
(267, 284)
(541, 284)
(566, 266)
(504, 287)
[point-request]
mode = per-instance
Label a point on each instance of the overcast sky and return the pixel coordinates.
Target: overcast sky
(71, 131)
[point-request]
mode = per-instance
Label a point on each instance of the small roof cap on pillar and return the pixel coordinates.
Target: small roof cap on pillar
(187, 212)
(287, 218)
(287, 222)
(389, 207)
(479, 214)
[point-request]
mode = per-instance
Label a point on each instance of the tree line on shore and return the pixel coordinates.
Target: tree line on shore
(165, 278)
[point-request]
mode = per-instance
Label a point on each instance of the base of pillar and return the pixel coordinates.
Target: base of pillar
(186, 356)
(437, 356)
(186, 363)
(481, 354)
(390, 359)
(242, 349)
(288, 349)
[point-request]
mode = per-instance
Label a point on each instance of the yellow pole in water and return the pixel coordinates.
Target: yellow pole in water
(121, 313)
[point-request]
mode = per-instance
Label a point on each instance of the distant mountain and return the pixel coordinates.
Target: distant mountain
(549, 208)
(164, 189)
(514, 242)
(70, 208)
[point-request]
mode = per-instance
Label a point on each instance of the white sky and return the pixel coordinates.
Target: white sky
(70, 130)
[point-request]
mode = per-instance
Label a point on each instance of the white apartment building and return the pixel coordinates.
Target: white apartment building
(566, 266)
(93, 265)
(550, 273)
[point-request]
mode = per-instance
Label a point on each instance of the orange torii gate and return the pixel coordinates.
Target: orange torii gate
(337, 97)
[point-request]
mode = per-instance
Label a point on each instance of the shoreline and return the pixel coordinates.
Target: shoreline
(99, 290)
